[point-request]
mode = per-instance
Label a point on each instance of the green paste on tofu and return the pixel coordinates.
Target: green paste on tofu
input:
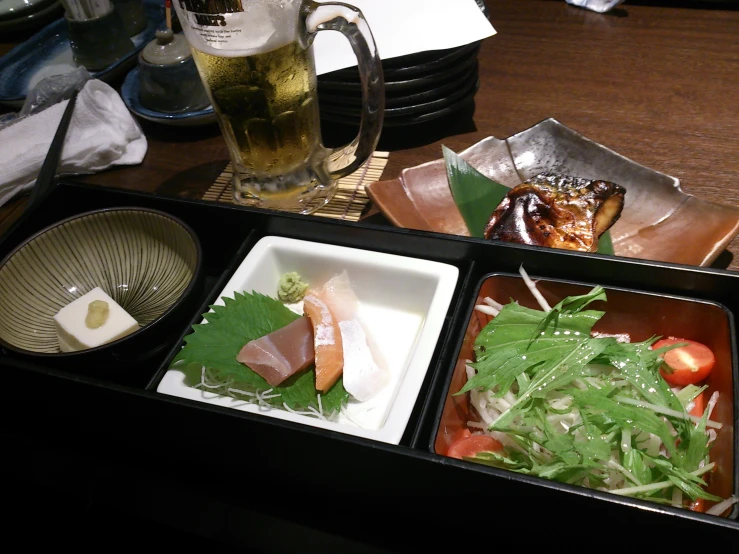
(291, 288)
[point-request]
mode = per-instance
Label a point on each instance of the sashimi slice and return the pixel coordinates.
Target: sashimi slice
(326, 341)
(340, 297)
(282, 353)
(363, 376)
(365, 370)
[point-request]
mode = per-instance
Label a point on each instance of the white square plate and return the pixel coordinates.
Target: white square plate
(403, 302)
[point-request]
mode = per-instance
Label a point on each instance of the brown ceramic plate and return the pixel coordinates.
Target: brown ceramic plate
(640, 314)
(656, 214)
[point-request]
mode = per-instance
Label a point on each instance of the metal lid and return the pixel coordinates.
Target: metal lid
(167, 48)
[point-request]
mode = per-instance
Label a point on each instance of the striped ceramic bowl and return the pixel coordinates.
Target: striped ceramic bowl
(146, 260)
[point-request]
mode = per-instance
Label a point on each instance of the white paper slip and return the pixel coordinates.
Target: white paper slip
(402, 27)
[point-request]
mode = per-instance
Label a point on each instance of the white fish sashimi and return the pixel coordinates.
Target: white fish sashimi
(365, 370)
(363, 376)
(339, 295)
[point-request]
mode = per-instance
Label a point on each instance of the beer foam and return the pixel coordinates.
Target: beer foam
(262, 26)
(327, 13)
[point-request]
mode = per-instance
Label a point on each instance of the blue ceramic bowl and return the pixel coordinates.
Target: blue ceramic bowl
(171, 88)
(131, 97)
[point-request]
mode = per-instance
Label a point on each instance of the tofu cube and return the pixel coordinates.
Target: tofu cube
(73, 332)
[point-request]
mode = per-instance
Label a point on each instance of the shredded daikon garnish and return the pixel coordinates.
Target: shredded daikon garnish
(712, 404)
(241, 392)
(298, 412)
(262, 398)
(532, 287)
(476, 425)
(490, 302)
(211, 382)
(488, 310)
(722, 506)
(203, 380)
(316, 413)
(584, 407)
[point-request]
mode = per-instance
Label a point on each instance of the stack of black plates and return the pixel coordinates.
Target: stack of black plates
(418, 88)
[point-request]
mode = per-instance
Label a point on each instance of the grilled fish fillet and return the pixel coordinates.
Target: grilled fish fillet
(558, 211)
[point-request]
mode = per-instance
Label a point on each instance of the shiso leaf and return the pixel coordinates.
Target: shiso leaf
(244, 318)
(475, 195)
(605, 244)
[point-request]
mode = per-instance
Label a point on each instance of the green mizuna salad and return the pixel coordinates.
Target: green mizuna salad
(556, 400)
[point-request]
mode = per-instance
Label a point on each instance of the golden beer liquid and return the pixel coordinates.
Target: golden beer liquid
(268, 112)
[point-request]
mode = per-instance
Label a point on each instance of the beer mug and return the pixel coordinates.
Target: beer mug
(255, 58)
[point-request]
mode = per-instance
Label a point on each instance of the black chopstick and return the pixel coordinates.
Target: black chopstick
(47, 175)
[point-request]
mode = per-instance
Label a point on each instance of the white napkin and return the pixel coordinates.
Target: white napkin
(402, 27)
(102, 133)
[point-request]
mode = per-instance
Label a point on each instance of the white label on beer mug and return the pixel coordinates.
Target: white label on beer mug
(238, 27)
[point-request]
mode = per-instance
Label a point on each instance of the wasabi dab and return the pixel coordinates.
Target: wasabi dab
(291, 288)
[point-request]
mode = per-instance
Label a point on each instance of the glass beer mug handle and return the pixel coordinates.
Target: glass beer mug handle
(349, 21)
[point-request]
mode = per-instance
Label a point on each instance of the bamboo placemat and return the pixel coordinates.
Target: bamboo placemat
(348, 202)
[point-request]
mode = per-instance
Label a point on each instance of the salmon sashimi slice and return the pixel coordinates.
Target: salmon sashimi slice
(365, 370)
(282, 353)
(329, 353)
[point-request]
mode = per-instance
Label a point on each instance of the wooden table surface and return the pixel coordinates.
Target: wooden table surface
(656, 83)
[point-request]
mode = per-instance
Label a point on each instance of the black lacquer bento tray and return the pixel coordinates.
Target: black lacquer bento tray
(401, 497)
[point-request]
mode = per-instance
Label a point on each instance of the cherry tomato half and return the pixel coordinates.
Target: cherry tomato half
(699, 405)
(698, 505)
(685, 365)
(466, 444)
